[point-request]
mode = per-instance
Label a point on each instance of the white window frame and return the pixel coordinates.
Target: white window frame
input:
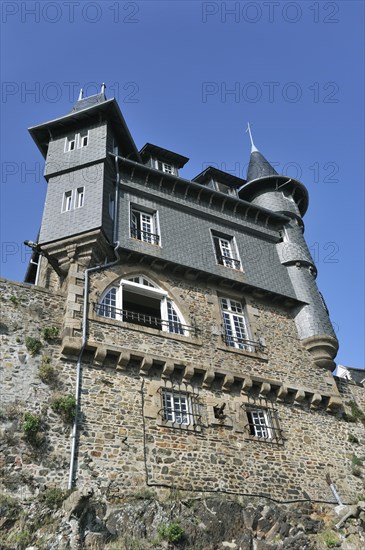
(176, 407)
(67, 201)
(225, 249)
(235, 325)
(82, 136)
(140, 221)
(165, 167)
(80, 197)
(173, 324)
(261, 422)
(70, 144)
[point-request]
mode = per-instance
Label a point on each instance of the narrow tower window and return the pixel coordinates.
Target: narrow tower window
(67, 201)
(234, 324)
(84, 139)
(80, 195)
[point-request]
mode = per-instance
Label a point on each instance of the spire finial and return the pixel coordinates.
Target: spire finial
(103, 86)
(253, 148)
(81, 94)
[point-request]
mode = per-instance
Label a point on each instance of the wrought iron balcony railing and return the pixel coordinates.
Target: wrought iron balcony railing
(242, 343)
(145, 236)
(143, 319)
(227, 261)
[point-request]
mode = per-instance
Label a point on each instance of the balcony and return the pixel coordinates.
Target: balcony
(253, 346)
(145, 236)
(144, 319)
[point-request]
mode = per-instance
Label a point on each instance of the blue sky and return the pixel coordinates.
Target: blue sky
(188, 76)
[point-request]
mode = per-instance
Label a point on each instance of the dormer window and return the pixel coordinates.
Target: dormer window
(165, 167)
(84, 139)
(70, 144)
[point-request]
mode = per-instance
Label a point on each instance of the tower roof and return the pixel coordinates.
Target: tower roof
(259, 167)
(86, 102)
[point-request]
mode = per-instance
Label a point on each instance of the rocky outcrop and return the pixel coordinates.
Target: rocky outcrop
(184, 521)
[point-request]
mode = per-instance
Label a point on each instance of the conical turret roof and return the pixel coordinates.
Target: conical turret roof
(258, 166)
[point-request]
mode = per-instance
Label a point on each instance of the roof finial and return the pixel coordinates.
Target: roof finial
(81, 94)
(103, 86)
(253, 148)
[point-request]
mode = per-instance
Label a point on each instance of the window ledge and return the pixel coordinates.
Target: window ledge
(262, 356)
(189, 339)
(273, 441)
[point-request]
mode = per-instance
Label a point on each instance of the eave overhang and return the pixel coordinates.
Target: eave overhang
(108, 109)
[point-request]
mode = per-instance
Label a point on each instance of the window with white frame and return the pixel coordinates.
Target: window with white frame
(176, 407)
(80, 195)
(143, 226)
(70, 144)
(235, 326)
(226, 251)
(263, 424)
(137, 300)
(67, 201)
(84, 139)
(165, 167)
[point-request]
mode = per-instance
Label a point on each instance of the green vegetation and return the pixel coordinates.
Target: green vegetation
(356, 461)
(47, 373)
(22, 539)
(356, 413)
(64, 406)
(172, 531)
(50, 333)
(31, 423)
(33, 345)
(9, 506)
(330, 538)
(53, 497)
(14, 300)
(145, 494)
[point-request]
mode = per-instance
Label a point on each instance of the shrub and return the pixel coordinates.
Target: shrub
(14, 300)
(50, 333)
(33, 345)
(31, 423)
(9, 506)
(53, 497)
(65, 407)
(47, 373)
(172, 532)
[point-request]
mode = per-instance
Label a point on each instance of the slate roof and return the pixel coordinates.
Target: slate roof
(87, 102)
(259, 167)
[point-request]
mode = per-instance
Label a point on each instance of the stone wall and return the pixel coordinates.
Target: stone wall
(124, 441)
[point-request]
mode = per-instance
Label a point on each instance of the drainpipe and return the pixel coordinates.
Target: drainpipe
(84, 329)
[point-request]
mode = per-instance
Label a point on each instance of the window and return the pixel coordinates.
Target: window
(137, 300)
(144, 226)
(263, 424)
(83, 139)
(176, 407)
(235, 326)
(226, 252)
(165, 167)
(80, 193)
(260, 424)
(67, 201)
(70, 144)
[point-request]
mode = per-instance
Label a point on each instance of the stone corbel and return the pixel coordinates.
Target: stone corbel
(208, 378)
(299, 396)
(227, 383)
(123, 360)
(100, 354)
(265, 388)
(168, 369)
(282, 393)
(188, 374)
(146, 364)
(335, 403)
(246, 385)
(315, 400)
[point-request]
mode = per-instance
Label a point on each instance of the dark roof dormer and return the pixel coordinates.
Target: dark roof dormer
(162, 159)
(219, 181)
